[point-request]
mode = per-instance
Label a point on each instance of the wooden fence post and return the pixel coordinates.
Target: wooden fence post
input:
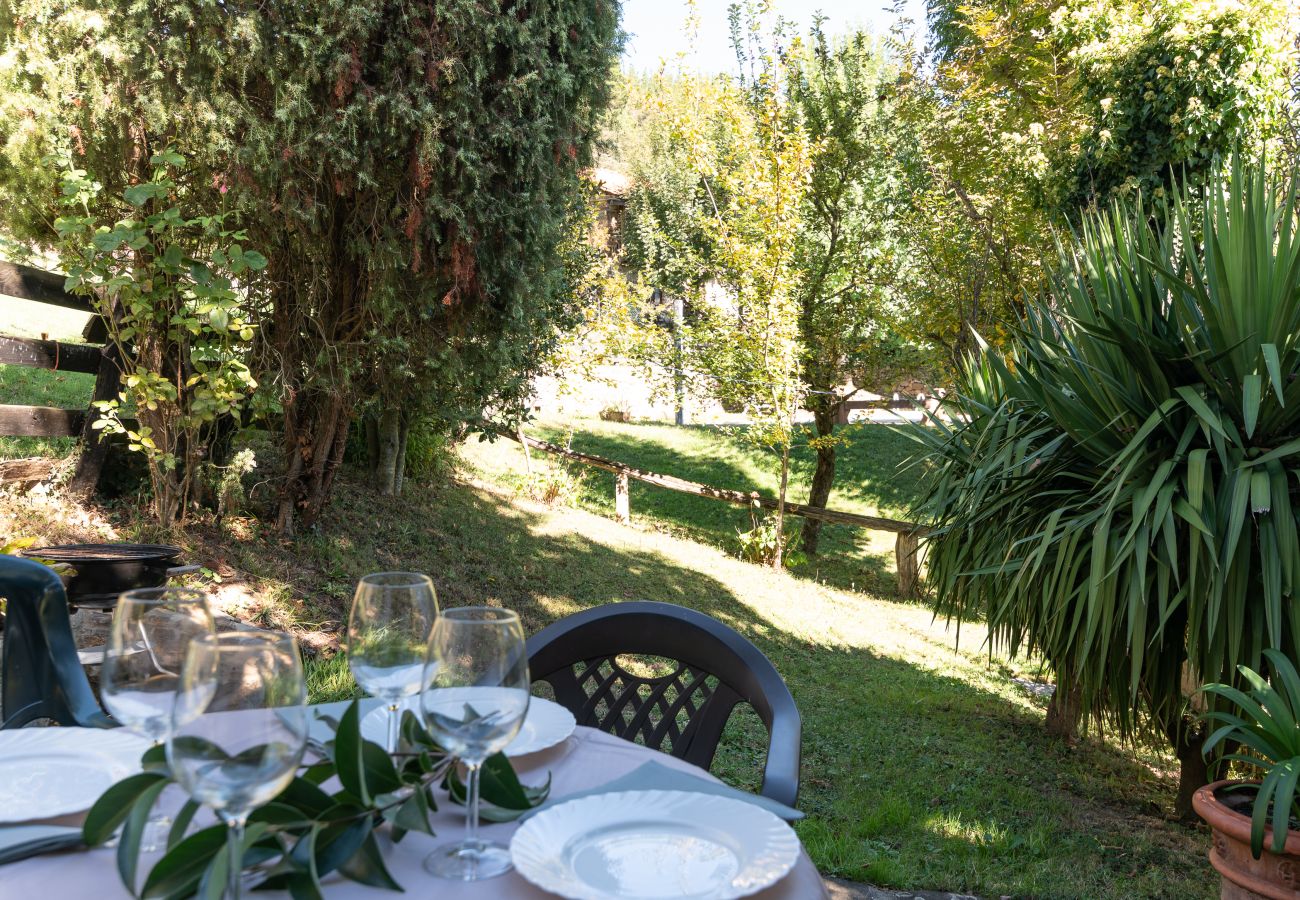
(622, 501)
(905, 553)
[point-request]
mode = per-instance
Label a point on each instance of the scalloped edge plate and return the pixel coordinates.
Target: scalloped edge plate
(654, 845)
(57, 771)
(546, 724)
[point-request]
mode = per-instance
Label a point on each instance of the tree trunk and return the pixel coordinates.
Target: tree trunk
(778, 556)
(1193, 771)
(819, 493)
(906, 551)
(390, 437)
(399, 473)
(94, 443)
(371, 427)
(317, 388)
(1065, 709)
(315, 436)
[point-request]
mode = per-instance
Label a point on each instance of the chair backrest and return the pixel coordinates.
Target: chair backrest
(681, 711)
(42, 677)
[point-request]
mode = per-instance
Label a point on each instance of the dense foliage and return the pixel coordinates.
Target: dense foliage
(763, 202)
(1027, 113)
(1121, 495)
(409, 170)
(165, 286)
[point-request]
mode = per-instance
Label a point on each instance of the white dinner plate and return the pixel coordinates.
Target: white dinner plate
(546, 724)
(46, 772)
(654, 845)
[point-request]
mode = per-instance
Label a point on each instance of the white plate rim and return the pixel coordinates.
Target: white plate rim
(116, 748)
(564, 726)
(783, 844)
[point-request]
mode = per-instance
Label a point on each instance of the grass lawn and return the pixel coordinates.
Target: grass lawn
(871, 478)
(23, 386)
(925, 766)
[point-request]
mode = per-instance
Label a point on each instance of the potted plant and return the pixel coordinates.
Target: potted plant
(1256, 824)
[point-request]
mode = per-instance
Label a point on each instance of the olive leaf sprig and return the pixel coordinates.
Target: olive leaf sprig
(305, 833)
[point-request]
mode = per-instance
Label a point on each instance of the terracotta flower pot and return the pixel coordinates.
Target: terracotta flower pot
(1275, 876)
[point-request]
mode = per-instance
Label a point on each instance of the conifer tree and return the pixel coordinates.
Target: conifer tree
(408, 168)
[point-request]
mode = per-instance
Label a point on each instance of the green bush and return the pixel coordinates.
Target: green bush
(1120, 495)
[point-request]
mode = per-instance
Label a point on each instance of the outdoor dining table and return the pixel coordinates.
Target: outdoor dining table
(585, 760)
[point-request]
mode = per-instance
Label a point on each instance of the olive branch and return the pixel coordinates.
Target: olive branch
(305, 833)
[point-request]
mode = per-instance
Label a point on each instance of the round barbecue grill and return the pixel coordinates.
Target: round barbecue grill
(104, 571)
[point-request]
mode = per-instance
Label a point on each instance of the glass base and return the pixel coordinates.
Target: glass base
(469, 862)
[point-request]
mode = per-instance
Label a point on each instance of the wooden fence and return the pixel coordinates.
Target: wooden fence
(905, 545)
(96, 359)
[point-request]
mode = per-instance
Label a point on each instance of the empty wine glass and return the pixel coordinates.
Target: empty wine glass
(477, 672)
(388, 630)
(239, 727)
(147, 642)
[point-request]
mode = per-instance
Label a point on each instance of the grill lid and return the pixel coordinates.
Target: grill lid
(74, 553)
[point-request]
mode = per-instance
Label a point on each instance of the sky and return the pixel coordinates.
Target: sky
(656, 28)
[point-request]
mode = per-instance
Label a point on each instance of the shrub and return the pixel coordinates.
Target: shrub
(165, 284)
(1120, 496)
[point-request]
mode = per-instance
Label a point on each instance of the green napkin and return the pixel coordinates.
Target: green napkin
(21, 841)
(652, 776)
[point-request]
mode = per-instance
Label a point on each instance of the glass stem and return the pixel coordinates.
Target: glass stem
(471, 808)
(235, 843)
(394, 719)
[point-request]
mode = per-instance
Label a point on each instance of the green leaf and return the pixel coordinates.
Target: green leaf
(140, 194)
(1251, 389)
(366, 866)
(348, 753)
(1202, 409)
(413, 813)
(137, 820)
(306, 797)
(182, 823)
(167, 158)
(1260, 493)
(336, 843)
(179, 871)
(1274, 366)
(114, 805)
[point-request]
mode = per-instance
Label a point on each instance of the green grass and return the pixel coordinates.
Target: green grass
(871, 478)
(924, 766)
(22, 386)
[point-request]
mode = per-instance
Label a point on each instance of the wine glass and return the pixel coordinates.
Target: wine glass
(388, 630)
(239, 727)
(477, 672)
(151, 631)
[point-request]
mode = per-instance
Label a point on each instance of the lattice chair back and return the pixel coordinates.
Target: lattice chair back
(42, 676)
(681, 699)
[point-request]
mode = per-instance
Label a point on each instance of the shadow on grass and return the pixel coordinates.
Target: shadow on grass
(848, 558)
(912, 777)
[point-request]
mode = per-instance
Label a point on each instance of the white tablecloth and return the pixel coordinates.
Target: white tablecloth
(587, 759)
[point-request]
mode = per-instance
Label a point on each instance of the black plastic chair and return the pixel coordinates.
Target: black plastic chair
(682, 712)
(43, 679)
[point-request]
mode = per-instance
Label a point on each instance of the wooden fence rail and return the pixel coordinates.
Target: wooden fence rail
(27, 283)
(905, 546)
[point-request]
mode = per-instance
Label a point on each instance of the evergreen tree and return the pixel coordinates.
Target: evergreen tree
(409, 169)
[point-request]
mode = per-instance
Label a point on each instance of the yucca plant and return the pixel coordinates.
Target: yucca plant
(1266, 721)
(1118, 496)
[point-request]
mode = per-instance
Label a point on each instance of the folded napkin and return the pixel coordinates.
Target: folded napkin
(653, 776)
(21, 841)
